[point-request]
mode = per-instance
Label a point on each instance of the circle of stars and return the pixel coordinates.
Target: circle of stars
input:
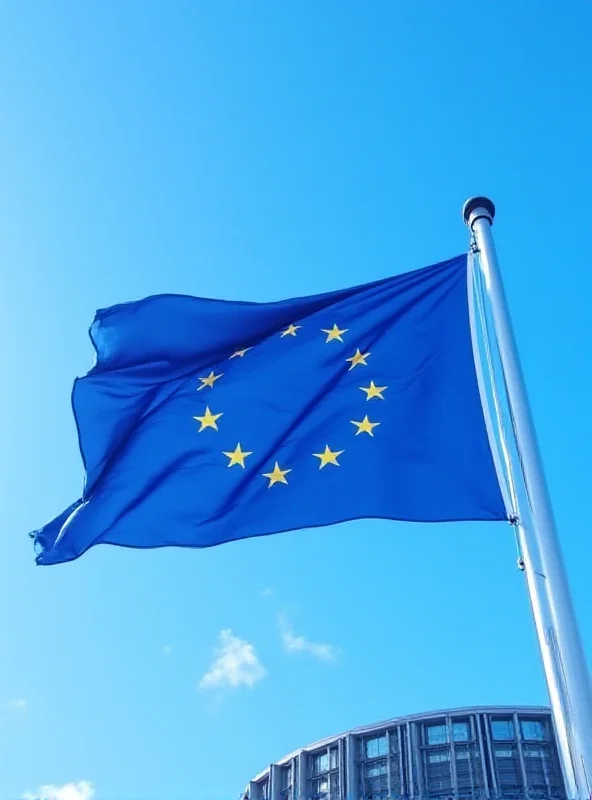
(329, 457)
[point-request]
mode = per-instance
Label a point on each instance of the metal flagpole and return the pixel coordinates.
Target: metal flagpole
(564, 660)
(535, 583)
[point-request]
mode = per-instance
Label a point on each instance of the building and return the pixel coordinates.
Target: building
(485, 752)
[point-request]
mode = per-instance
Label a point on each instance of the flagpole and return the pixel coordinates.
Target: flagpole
(563, 655)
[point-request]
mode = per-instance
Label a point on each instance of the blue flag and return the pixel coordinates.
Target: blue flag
(206, 421)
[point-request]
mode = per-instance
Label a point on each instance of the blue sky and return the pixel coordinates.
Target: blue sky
(257, 151)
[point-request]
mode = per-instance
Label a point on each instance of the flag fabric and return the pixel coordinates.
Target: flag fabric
(207, 421)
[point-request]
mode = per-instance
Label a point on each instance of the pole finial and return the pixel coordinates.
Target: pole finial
(476, 208)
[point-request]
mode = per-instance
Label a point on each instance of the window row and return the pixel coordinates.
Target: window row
(541, 770)
(502, 730)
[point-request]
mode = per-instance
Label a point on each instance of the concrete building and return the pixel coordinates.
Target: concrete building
(484, 752)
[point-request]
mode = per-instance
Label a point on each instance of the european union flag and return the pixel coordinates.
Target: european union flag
(205, 421)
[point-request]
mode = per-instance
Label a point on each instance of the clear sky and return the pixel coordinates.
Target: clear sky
(259, 150)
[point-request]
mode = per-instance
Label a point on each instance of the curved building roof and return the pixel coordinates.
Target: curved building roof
(475, 752)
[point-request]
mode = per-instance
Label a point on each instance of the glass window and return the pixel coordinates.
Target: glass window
(324, 788)
(286, 777)
(437, 734)
(533, 752)
(509, 773)
(394, 741)
(438, 778)
(502, 730)
(333, 757)
(320, 763)
(460, 731)
(469, 771)
(376, 747)
(375, 769)
(438, 758)
(536, 768)
(533, 730)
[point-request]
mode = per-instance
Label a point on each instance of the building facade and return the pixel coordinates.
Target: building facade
(489, 752)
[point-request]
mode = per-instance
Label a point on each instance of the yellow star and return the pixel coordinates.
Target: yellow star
(240, 353)
(365, 426)
(209, 381)
(291, 330)
(373, 391)
(334, 333)
(328, 457)
(208, 420)
(358, 358)
(237, 456)
(277, 476)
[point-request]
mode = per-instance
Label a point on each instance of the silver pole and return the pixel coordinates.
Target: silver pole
(535, 583)
(566, 672)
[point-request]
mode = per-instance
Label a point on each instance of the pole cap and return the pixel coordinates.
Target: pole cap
(476, 208)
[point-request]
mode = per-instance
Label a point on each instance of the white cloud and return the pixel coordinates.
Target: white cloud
(19, 703)
(167, 650)
(268, 592)
(83, 790)
(236, 664)
(298, 644)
